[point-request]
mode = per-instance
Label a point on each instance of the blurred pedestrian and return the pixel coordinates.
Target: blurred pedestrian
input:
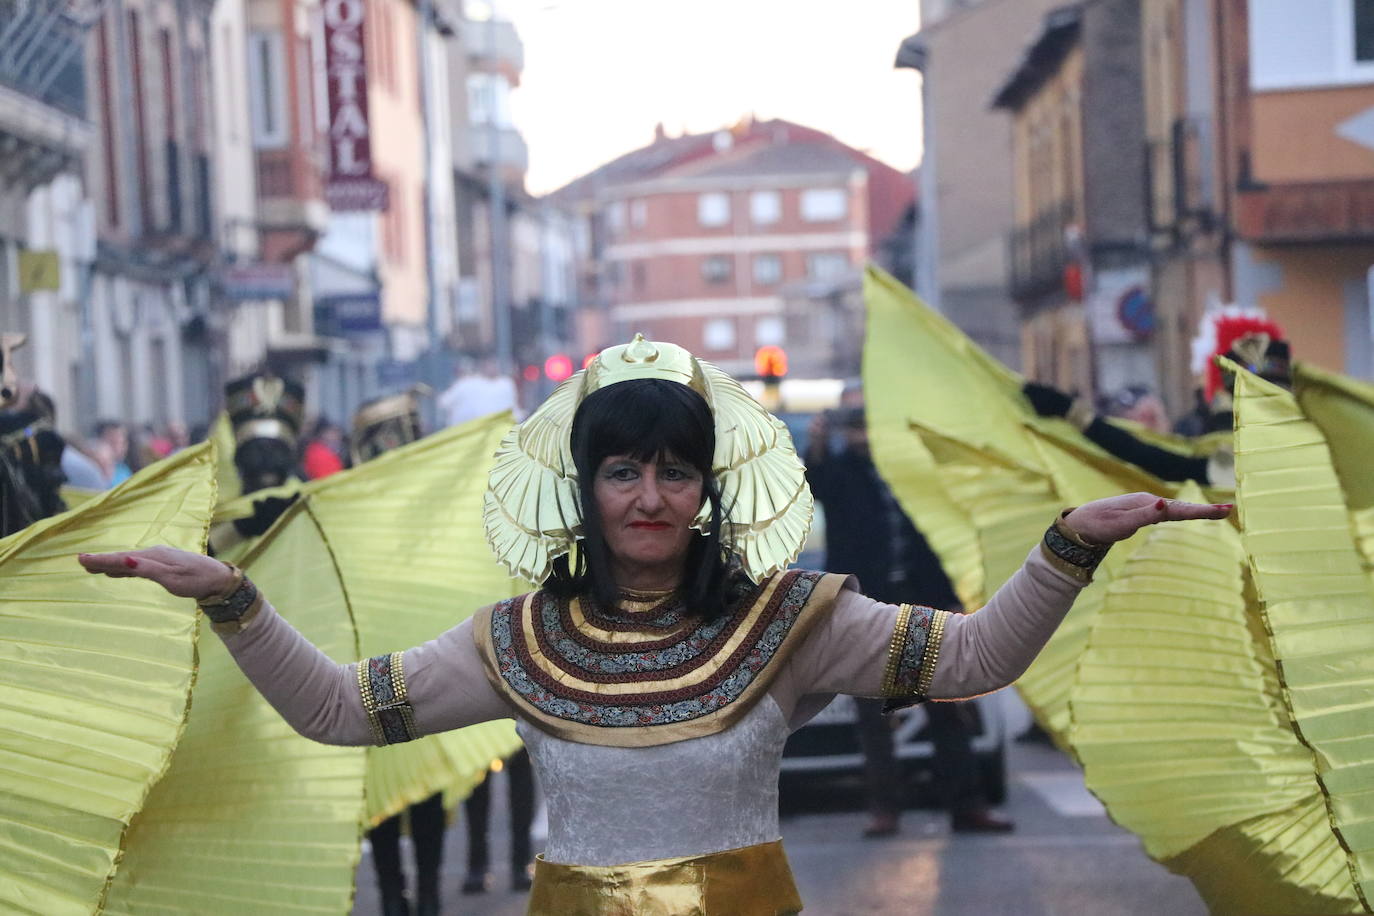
(868, 535)
(114, 451)
(478, 391)
(324, 450)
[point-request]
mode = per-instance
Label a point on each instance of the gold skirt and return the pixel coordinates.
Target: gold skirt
(750, 881)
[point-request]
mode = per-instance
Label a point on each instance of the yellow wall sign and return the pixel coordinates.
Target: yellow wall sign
(39, 270)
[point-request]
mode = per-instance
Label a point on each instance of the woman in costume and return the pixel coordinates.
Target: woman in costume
(657, 673)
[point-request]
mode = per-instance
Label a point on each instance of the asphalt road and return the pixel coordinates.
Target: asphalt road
(1065, 857)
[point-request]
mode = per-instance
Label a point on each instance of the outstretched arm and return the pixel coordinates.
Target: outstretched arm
(383, 700)
(912, 653)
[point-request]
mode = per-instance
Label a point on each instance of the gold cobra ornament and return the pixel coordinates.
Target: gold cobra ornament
(532, 510)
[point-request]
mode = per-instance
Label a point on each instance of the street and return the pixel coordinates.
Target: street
(1064, 858)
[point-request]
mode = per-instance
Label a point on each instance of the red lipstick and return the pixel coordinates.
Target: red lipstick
(651, 526)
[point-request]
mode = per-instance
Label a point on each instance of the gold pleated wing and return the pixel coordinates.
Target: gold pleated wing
(1319, 611)
(1343, 409)
(404, 531)
(1180, 724)
(532, 511)
(251, 817)
(97, 681)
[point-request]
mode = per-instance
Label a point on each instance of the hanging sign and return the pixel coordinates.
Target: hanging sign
(351, 184)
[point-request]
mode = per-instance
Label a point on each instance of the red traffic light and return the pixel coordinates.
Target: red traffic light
(770, 361)
(558, 367)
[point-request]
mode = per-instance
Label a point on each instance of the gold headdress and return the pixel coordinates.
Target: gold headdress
(532, 511)
(385, 423)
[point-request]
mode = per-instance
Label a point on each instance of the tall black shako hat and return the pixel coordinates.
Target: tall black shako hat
(263, 406)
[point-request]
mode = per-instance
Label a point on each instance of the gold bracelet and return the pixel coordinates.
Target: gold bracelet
(222, 597)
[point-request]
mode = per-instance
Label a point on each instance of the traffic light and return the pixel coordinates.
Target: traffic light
(770, 362)
(558, 368)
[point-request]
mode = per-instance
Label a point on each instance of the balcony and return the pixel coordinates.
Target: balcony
(494, 46)
(290, 201)
(41, 51)
(1039, 252)
(511, 153)
(1325, 211)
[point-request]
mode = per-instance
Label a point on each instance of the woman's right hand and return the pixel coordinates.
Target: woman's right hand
(181, 572)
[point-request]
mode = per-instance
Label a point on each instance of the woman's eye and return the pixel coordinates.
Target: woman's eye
(624, 474)
(676, 474)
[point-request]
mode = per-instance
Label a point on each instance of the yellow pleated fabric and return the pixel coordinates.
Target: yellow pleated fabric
(405, 531)
(1180, 725)
(972, 465)
(1343, 409)
(251, 817)
(96, 683)
(226, 474)
(1317, 605)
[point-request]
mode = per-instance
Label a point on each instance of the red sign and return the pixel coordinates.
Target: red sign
(351, 184)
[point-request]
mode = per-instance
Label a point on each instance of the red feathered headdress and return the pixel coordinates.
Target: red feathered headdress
(1229, 330)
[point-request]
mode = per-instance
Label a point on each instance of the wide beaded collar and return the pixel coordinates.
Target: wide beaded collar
(649, 672)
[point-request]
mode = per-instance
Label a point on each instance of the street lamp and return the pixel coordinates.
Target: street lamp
(914, 54)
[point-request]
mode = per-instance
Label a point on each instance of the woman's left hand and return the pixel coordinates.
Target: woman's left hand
(1106, 521)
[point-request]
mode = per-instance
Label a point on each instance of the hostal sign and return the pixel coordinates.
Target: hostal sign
(351, 184)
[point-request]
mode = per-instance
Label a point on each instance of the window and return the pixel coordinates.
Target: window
(1364, 31)
(719, 334)
(267, 88)
(641, 276)
(819, 205)
(488, 98)
(826, 265)
(639, 213)
(767, 269)
(1311, 44)
(765, 207)
(716, 268)
(615, 218)
(713, 209)
(768, 331)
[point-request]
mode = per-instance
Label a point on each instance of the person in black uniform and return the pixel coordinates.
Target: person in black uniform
(267, 413)
(31, 474)
(869, 536)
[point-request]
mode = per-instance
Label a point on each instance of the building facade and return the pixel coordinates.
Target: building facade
(1080, 258)
(1296, 84)
(968, 44)
(721, 242)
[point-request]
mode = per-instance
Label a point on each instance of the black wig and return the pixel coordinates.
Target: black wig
(647, 419)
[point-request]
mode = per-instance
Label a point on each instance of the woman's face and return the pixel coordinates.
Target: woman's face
(646, 511)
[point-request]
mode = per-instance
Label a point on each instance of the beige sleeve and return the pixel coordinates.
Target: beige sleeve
(435, 687)
(853, 651)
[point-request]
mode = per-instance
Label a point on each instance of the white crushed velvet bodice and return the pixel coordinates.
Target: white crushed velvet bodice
(614, 805)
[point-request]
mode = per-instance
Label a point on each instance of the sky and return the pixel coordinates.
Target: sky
(600, 74)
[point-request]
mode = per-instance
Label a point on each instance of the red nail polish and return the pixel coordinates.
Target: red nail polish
(1160, 505)
(131, 562)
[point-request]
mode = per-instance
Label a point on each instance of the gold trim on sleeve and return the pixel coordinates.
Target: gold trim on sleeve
(895, 650)
(382, 686)
(932, 653)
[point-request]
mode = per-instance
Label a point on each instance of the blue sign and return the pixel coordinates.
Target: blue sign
(1136, 311)
(393, 373)
(350, 313)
